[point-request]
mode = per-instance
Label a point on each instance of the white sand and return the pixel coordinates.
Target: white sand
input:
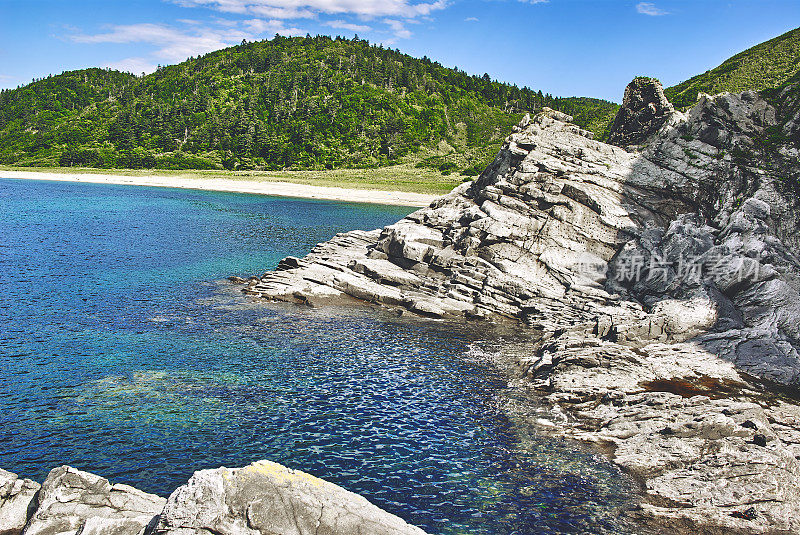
(281, 189)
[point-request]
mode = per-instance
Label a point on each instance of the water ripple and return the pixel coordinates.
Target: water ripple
(121, 357)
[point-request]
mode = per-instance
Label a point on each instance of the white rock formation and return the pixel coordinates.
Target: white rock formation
(264, 498)
(662, 284)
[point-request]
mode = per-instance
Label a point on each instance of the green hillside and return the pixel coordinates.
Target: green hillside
(763, 66)
(287, 103)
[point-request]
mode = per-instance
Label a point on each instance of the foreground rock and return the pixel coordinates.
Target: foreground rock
(266, 498)
(75, 502)
(17, 502)
(263, 498)
(662, 281)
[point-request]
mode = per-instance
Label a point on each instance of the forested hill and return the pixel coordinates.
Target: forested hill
(766, 65)
(287, 103)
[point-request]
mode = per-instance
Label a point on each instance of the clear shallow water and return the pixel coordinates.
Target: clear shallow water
(121, 355)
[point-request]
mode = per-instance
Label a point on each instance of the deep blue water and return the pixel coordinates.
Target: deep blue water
(122, 353)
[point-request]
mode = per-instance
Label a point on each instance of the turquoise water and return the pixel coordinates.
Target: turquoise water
(124, 354)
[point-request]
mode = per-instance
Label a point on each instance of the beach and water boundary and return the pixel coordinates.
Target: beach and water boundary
(361, 191)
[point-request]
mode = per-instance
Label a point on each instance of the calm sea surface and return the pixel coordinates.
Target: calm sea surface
(123, 354)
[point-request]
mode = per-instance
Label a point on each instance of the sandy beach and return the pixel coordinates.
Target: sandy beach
(281, 189)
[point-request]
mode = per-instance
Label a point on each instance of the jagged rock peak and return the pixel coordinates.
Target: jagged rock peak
(644, 111)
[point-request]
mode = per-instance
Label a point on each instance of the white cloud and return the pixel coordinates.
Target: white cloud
(172, 44)
(398, 28)
(343, 25)
(471, 19)
(290, 9)
(261, 27)
(282, 12)
(135, 66)
(649, 8)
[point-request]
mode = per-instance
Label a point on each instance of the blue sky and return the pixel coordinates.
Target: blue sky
(564, 47)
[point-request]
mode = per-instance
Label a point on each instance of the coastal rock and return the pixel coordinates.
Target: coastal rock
(75, 502)
(263, 498)
(661, 282)
(17, 502)
(267, 498)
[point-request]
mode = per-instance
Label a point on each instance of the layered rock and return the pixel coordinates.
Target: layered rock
(264, 498)
(661, 279)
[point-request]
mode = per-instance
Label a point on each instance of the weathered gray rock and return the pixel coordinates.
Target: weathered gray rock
(644, 111)
(661, 281)
(75, 502)
(267, 498)
(263, 498)
(17, 502)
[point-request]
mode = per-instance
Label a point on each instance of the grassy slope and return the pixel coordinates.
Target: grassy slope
(763, 66)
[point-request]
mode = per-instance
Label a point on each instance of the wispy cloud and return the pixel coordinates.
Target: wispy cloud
(649, 8)
(292, 9)
(132, 65)
(343, 25)
(260, 27)
(471, 19)
(173, 44)
(398, 28)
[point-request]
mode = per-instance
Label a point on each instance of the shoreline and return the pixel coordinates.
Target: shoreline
(276, 188)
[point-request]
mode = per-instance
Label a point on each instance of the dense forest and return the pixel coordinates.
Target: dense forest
(286, 103)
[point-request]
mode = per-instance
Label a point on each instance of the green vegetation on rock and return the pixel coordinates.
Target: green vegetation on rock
(288, 103)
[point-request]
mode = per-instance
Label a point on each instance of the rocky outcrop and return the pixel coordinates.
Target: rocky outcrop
(661, 282)
(263, 498)
(17, 502)
(74, 502)
(266, 498)
(644, 111)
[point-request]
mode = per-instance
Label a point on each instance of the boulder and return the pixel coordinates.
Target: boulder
(72, 502)
(266, 498)
(17, 502)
